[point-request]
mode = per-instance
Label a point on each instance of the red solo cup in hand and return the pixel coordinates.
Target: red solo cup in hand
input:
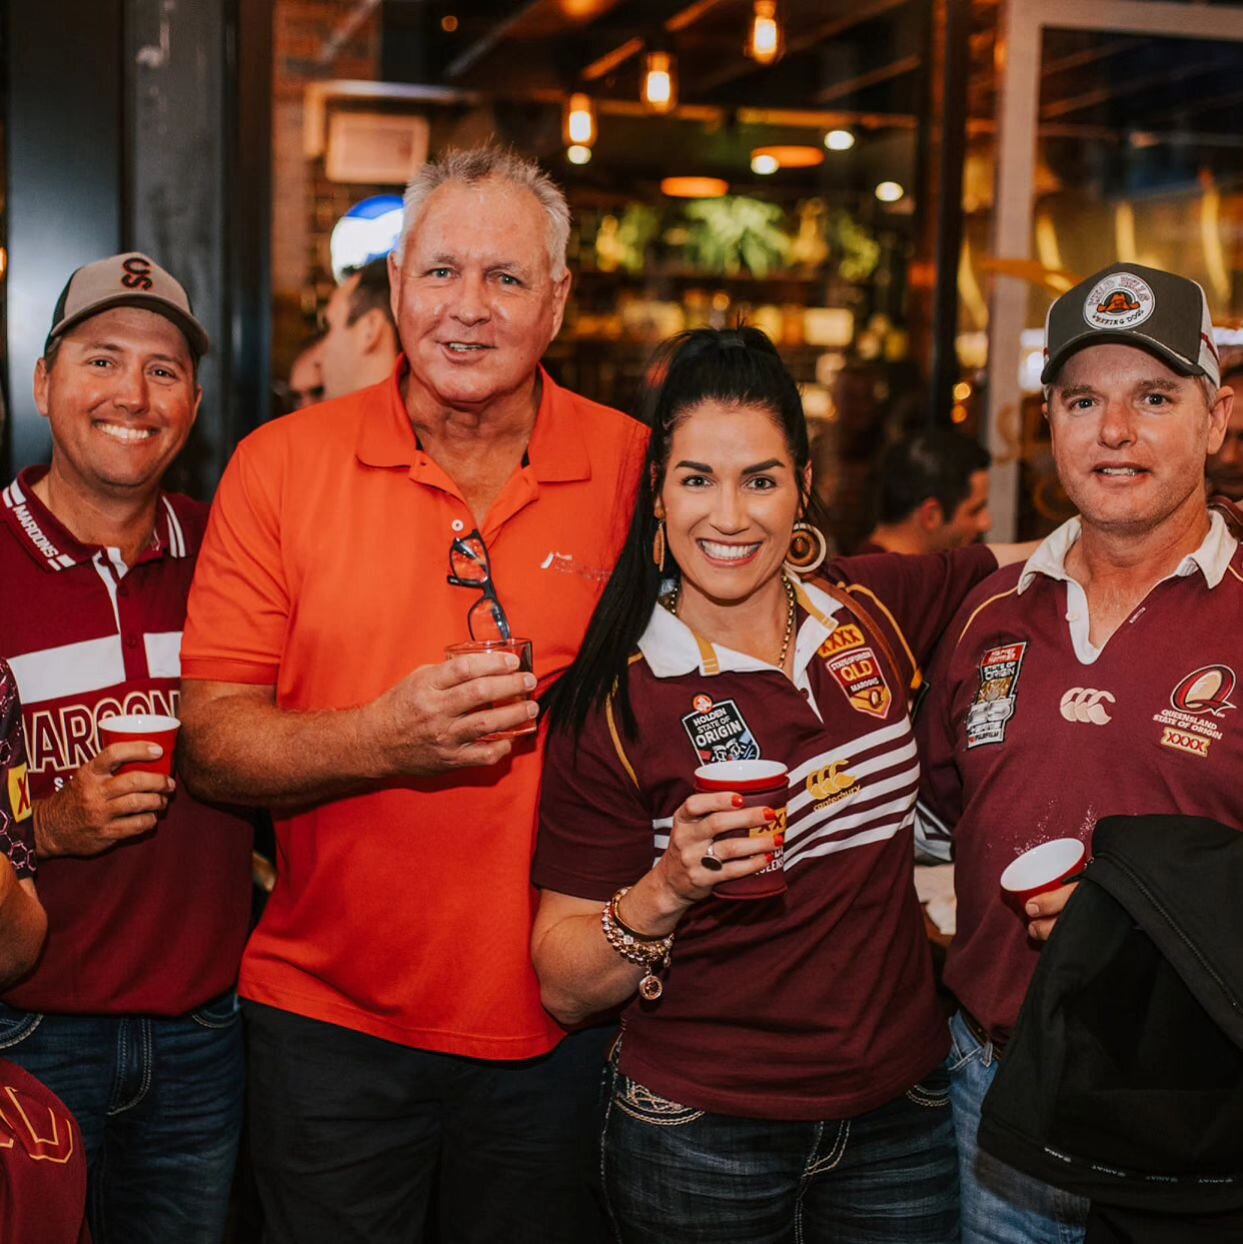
(761, 784)
(1043, 868)
(138, 728)
(523, 649)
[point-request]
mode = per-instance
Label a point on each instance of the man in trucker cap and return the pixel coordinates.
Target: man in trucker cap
(129, 1015)
(1099, 678)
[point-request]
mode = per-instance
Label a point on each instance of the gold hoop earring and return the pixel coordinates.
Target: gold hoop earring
(808, 549)
(658, 546)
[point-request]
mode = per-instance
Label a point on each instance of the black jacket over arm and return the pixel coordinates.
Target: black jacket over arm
(1123, 1081)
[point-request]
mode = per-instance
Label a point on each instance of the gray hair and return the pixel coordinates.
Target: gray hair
(475, 164)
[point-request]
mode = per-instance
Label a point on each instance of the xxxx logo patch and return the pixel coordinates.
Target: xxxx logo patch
(19, 793)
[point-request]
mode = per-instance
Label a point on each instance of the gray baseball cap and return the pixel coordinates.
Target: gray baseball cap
(129, 280)
(1166, 315)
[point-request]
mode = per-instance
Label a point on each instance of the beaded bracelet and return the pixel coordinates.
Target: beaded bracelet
(642, 950)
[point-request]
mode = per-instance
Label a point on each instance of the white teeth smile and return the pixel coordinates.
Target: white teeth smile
(1120, 471)
(122, 432)
(462, 347)
(727, 552)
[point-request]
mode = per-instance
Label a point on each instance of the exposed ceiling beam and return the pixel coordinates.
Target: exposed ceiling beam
(803, 42)
(1138, 85)
(886, 73)
(494, 35)
(686, 16)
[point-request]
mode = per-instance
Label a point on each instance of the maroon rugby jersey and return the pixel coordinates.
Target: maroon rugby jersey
(42, 1164)
(155, 925)
(17, 840)
(1028, 734)
(818, 1003)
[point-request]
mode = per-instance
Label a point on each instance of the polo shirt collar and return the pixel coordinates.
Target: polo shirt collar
(557, 450)
(1211, 559)
(672, 650)
(54, 547)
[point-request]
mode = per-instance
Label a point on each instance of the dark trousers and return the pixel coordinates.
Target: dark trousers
(353, 1137)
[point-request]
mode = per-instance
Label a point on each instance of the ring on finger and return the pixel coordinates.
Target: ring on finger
(709, 861)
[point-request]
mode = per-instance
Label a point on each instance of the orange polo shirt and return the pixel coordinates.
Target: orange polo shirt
(405, 912)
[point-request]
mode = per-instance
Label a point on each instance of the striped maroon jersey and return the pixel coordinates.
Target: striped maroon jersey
(1029, 733)
(155, 925)
(818, 1003)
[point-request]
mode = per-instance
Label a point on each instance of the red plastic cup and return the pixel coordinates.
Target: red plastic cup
(525, 652)
(762, 784)
(1043, 868)
(142, 728)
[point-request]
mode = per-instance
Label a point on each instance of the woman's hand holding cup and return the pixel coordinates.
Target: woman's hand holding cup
(697, 825)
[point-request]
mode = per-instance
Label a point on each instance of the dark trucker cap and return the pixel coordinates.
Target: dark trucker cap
(129, 280)
(1166, 315)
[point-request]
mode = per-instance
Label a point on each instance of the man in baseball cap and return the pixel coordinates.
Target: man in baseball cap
(129, 1016)
(1072, 687)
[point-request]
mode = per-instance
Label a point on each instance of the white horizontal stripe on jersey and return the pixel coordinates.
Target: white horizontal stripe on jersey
(881, 833)
(854, 747)
(853, 799)
(71, 669)
(800, 841)
(163, 653)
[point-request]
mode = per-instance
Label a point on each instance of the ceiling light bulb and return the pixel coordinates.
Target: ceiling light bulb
(660, 82)
(580, 119)
(889, 192)
(764, 164)
(578, 154)
(765, 38)
(839, 140)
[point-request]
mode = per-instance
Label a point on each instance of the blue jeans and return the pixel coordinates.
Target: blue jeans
(1000, 1205)
(673, 1173)
(159, 1102)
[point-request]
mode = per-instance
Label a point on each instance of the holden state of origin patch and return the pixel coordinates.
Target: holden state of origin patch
(719, 731)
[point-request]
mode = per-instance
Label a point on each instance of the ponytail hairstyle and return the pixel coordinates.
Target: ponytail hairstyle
(734, 367)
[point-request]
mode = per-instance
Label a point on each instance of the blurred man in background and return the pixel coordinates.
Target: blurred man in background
(360, 342)
(932, 494)
(306, 376)
(1225, 467)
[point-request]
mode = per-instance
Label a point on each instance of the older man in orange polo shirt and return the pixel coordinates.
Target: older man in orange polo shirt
(397, 1039)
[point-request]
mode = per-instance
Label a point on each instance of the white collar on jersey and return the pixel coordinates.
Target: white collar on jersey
(1210, 559)
(672, 650)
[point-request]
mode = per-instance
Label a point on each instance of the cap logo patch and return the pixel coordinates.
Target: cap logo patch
(1119, 300)
(137, 273)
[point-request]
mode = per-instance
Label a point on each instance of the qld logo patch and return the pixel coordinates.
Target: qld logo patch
(862, 680)
(1120, 300)
(1204, 694)
(993, 705)
(719, 731)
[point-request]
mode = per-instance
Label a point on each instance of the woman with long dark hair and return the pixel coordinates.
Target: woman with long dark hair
(780, 1070)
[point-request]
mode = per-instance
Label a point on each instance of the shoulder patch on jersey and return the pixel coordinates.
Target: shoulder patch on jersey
(994, 702)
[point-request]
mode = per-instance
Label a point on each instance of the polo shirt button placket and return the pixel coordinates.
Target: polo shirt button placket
(458, 526)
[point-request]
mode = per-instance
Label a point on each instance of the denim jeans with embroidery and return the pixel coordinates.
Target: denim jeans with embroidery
(677, 1175)
(1000, 1205)
(159, 1103)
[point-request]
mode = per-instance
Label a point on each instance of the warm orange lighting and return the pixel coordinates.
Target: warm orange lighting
(448, 23)
(578, 154)
(765, 38)
(790, 157)
(660, 82)
(959, 414)
(694, 187)
(580, 120)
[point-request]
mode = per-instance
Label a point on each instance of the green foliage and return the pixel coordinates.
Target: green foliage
(729, 234)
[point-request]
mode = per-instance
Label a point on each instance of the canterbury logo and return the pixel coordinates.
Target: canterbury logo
(829, 781)
(1087, 705)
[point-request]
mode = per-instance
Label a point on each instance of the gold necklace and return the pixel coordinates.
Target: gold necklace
(670, 602)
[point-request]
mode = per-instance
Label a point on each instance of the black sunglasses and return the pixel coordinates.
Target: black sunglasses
(469, 566)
